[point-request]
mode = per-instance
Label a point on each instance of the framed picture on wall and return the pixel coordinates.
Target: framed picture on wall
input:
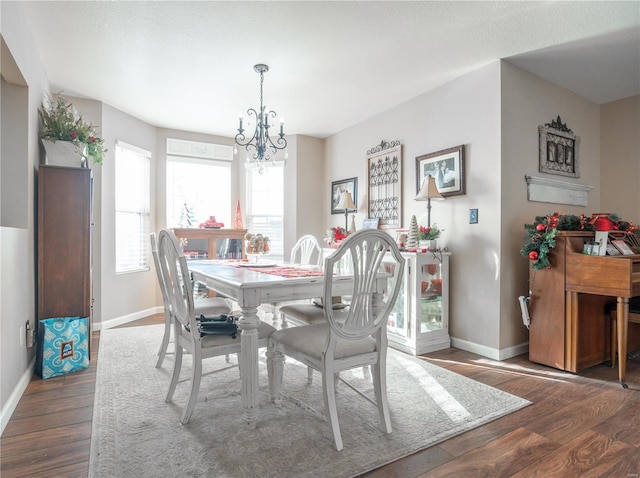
(447, 166)
(340, 187)
(370, 223)
(559, 148)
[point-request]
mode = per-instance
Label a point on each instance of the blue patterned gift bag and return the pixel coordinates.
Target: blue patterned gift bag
(63, 346)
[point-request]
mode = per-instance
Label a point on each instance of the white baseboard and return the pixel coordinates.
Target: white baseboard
(16, 395)
(490, 352)
(125, 319)
(514, 351)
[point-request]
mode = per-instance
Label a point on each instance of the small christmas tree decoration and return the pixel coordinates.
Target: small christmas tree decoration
(412, 239)
(237, 222)
(187, 217)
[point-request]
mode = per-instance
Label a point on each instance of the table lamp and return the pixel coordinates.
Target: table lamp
(429, 191)
(346, 203)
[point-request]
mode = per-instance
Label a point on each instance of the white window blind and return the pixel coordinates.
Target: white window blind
(132, 208)
(265, 207)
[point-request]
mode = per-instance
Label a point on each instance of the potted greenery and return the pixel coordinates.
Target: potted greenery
(61, 122)
(429, 234)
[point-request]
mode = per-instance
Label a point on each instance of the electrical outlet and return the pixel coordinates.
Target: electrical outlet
(473, 216)
(23, 336)
(31, 336)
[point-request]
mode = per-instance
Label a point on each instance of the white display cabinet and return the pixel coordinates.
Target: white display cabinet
(419, 322)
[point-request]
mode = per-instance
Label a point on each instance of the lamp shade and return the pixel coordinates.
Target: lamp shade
(429, 190)
(346, 201)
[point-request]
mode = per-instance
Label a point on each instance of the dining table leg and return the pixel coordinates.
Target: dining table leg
(248, 323)
(622, 313)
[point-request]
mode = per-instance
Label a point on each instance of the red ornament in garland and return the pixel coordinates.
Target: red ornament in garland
(540, 227)
(533, 255)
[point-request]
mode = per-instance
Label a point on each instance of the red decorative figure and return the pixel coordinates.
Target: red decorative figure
(237, 222)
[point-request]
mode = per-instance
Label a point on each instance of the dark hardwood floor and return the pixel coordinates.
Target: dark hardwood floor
(578, 425)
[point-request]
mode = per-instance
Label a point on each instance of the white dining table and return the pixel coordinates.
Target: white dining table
(251, 285)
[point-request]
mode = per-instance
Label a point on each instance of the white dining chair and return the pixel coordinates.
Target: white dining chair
(185, 325)
(209, 306)
(358, 340)
(306, 251)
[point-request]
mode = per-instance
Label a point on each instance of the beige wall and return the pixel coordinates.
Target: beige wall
(620, 152)
(118, 297)
(14, 104)
(304, 188)
(527, 102)
(465, 111)
(17, 244)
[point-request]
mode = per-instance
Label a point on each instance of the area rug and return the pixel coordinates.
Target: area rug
(137, 434)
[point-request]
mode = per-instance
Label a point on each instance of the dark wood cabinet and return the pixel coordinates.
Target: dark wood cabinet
(64, 242)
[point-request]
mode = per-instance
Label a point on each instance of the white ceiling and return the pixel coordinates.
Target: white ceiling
(189, 65)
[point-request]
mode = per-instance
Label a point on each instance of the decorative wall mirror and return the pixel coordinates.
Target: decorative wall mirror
(558, 149)
(384, 164)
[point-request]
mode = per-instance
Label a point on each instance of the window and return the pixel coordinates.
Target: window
(265, 207)
(132, 208)
(198, 183)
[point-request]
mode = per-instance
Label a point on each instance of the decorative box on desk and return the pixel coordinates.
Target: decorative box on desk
(419, 322)
(205, 243)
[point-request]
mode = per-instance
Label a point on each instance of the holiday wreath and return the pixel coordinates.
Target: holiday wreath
(543, 231)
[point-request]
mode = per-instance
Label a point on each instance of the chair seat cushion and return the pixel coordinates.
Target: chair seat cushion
(211, 306)
(312, 340)
(264, 331)
(309, 313)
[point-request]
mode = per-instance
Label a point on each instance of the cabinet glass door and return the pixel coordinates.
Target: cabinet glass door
(399, 321)
(431, 298)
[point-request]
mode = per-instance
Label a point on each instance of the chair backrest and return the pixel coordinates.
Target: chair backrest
(304, 250)
(368, 311)
(163, 287)
(177, 279)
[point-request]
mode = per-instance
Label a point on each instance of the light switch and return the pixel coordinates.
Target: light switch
(473, 216)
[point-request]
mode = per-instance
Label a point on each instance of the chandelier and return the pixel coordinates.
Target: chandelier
(264, 147)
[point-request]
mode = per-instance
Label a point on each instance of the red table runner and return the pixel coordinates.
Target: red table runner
(286, 271)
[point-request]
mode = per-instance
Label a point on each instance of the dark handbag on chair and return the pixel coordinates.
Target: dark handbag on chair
(222, 325)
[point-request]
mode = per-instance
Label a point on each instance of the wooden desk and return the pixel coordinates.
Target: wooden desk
(617, 276)
(550, 340)
(213, 238)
